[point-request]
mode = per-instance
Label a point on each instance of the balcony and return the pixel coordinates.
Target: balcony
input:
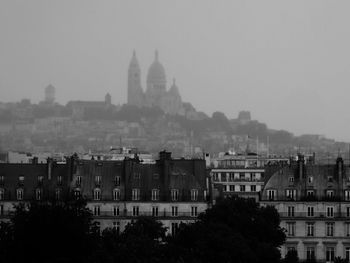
(316, 215)
(161, 215)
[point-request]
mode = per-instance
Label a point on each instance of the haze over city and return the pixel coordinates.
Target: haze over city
(286, 62)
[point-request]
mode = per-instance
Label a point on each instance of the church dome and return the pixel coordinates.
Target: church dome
(156, 73)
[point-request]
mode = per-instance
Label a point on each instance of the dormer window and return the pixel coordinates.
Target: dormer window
(174, 194)
(97, 194)
(347, 195)
(116, 194)
(78, 181)
(135, 194)
(58, 194)
(330, 193)
(38, 194)
(330, 179)
(19, 194)
(77, 194)
(2, 179)
(155, 194)
(40, 179)
(310, 179)
(194, 195)
(2, 194)
(21, 180)
(291, 194)
(271, 194)
(117, 180)
(98, 180)
(310, 193)
(59, 180)
(291, 179)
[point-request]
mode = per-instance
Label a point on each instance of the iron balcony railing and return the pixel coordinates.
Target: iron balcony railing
(160, 214)
(317, 215)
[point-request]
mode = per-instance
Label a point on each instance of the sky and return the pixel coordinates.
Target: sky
(288, 62)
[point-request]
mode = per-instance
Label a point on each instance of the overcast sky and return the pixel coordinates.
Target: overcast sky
(288, 62)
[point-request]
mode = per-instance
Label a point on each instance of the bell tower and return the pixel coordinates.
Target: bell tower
(135, 93)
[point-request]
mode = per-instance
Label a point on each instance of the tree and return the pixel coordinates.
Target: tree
(234, 230)
(291, 257)
(340, 260)
(141, 241)
(50, 232)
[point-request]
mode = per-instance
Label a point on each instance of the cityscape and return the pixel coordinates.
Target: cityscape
(155, 176)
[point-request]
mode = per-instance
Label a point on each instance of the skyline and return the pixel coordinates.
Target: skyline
(291, 75)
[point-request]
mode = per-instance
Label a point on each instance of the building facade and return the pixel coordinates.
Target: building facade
(117, 192)
(314, 205)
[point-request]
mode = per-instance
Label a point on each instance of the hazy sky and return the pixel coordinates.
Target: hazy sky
(288, 62)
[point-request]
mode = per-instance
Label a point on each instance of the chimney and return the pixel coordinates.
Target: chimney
(164, 155)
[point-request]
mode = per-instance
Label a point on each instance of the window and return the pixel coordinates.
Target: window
(21, 179)
(310, 179)
(97, 210)
(253, 188)
(310, 211)
(231, 177)
(330, 179)
(135, 211)
(194, 211)
(175, 194)
(241, 176)
(2, 194)
(40, 179)
(291, 211)
(116, 211)
(232, 188)
(242, 188)
(291, 179)
(97, 194)
(155, 194)
(223, 177)
(98, 180)
(174, 227)
(2, 178)
(155, 176)
(330, 211)
(271, 194)
(194, 195)
(215, 177)
(291, 194)
(116, 226)
(174, 210)
(329, 193)
(19, 194)
(347, 195)
(310, 193)
(135, 194)
(116, 194)
(291, 229)
(310, 229)
(78, 181)
(1, 210)
(58, 194)
(59, 180)
(348, 211)
(347, 229)
(330, 254)
(347, 254)
(155, 211)
(310, 253)
(117, 180)
(77, 194)
(329, 229)
(137, 175)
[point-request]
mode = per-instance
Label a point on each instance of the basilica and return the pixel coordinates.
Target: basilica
(156, 94)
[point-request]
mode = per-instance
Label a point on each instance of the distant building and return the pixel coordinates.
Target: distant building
(313, 201)
(80, 108)
(156, 94)
(50, 94)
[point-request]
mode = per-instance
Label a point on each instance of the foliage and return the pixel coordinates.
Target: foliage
(291, 257)
(234, 230)
(50, 232)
